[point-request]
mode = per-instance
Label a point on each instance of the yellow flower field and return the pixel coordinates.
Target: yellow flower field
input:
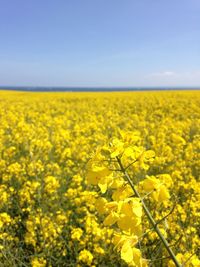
(58, 207)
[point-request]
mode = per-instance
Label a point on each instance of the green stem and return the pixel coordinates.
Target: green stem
(147, 212)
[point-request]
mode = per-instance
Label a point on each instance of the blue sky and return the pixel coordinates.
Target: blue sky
(100, 43)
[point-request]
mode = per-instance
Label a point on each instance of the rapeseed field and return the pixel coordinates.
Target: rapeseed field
(67, 163)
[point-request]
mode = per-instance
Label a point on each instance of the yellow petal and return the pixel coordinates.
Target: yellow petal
(127, 252)
(111, 219)
(137, 259)
(163, 193)
(103, 187)
(100, 205)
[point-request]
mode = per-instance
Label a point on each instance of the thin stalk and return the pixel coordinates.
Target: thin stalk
(149, 216)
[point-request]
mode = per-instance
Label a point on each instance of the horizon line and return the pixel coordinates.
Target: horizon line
(96, 89)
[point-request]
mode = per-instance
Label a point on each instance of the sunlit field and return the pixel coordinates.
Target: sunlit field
(60, 207)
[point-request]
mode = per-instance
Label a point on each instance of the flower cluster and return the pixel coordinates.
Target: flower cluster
(123, 209)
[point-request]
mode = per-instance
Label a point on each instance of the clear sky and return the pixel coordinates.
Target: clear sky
(100, 42)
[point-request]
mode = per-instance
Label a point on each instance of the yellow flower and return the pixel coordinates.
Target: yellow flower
(86, 257)
(38, 262)
(99, 175)
(76, 233)
(5, 219)
(51, 184)
(100, 205)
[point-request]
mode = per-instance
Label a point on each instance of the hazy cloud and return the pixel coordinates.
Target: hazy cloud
(162, 74)
(172, 78)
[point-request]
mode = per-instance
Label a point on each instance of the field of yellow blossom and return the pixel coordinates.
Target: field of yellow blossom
(59, 207)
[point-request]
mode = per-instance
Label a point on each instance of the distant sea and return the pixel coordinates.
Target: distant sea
(92, 89)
